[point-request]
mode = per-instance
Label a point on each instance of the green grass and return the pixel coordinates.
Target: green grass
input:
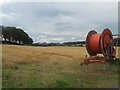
(34, 75)
(54, 71)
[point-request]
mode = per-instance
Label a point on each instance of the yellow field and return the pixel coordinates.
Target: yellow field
(12, 53)
(30, 66)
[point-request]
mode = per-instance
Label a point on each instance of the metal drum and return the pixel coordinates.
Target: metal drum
(99, 43)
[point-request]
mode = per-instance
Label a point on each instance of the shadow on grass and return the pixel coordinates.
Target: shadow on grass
(115, 62)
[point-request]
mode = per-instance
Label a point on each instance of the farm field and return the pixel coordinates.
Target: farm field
(54, 67)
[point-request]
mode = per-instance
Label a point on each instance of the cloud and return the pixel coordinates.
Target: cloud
(58, 39)
(52, 37)
(5, 15)
(59, 22)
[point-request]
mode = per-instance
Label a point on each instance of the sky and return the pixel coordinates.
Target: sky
(60, 21)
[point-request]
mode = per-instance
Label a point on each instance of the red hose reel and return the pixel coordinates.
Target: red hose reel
(100, 44)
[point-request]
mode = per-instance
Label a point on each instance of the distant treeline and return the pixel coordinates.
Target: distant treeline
(77, 43)
(13, 35)
(116, 41)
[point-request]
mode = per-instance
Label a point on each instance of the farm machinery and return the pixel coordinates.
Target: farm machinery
(100, 43)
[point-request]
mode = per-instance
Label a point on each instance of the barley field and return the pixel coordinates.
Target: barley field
(54, 67)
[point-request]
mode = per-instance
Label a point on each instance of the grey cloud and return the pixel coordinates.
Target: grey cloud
(59, 38)
(49, 12)
(70, 21)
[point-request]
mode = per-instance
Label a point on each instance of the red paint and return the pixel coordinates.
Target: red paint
(96, 43)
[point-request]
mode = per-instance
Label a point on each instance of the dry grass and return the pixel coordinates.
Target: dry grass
(13, 54)
(28, 66)
(118, 52)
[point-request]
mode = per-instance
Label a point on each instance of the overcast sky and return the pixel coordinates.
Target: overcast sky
(60, 21)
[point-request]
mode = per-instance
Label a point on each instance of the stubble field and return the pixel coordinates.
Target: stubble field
(54, 67)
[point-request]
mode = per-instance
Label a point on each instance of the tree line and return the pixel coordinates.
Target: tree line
(76, 43)
(14, 35)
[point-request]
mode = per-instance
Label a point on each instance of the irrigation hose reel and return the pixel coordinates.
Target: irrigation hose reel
(100, 43)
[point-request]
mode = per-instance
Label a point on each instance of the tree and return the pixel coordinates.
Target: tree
(15, 35)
